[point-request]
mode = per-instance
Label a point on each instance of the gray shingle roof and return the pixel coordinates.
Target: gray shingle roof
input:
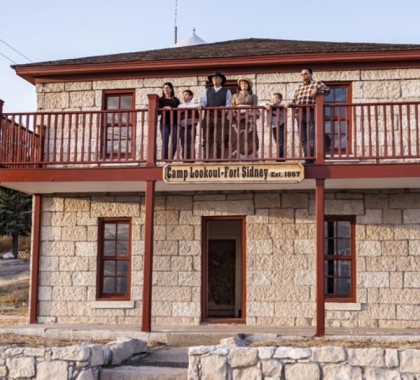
(236, 48)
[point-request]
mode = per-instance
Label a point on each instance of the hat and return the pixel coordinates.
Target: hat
(217, 74)
(246, 80)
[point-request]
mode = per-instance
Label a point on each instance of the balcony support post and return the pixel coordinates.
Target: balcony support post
(152, 116)
(148, 256)
(1, 105)
(319, 130)
(320, 296)
(35, 254)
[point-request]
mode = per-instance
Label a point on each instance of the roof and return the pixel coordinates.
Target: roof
(234, 48)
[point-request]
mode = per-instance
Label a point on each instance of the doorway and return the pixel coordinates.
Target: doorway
(223, 290)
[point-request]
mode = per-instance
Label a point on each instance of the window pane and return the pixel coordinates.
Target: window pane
(109, 248)
(109, 268)
(343, 247)
(342, 268)
(343, 286)
(110, 231)
(122, 268)
(126, 102)
(343, 229)
(123, 231)
(121, 285)
(122, 248)
(340, 94)
(112, 102)
(109, 285)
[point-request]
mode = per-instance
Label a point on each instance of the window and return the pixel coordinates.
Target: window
(339, 259)
(337, 118)
(118, 134)
(114, 259)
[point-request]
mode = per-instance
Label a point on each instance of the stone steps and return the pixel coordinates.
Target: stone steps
(143, 373)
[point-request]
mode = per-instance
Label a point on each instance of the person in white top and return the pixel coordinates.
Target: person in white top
(275, 121)
(188, 123)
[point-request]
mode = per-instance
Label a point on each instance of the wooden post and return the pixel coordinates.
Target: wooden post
(36, 243)
(319, 130)
(1, 105)
(148, 257)
(320, 296)
(152, 117)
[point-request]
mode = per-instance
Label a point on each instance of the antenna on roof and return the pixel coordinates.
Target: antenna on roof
(176, 28)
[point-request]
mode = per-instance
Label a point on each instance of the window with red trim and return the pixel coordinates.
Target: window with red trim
(114, 258)
(118, 135)
(339, 258)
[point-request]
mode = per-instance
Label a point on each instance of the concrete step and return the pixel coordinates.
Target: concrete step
(143, 373)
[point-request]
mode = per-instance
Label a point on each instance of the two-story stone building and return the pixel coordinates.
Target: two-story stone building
(116, 241)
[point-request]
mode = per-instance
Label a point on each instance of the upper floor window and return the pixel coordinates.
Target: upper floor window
(338, 118)
(339, 258)
(114, 258)
(118, 135)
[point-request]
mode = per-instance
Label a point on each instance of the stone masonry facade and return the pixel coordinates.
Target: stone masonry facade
(280, 257)
(367, 86)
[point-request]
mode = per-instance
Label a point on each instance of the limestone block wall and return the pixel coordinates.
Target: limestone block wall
(288, 363)
(280, 257)
(366, 86)
(68, 261)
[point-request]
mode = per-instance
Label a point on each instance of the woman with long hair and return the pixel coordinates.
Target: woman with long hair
(168, 120)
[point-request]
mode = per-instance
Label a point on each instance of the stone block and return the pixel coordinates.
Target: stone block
(166, 247)
(380, 232)
(244, 207)
(73, 264)
(186, 309)
(243, 357)
(253, 373)
(67, 293)
(82, 99)
(74, 233)
(404, 201)
(390, 89)
(294, 200)
(293, 231)
(44, 293)
(166, 217)
(261, 217)
(183, 233)
(381, 264)
(414, 247)
(272, 369)
(395, 248)
(179, 202)
(344, 207)
(292, 353)
(281, 215)
(57, 248)
(410, 361)
(373, 280)
(121, 84)
(214, 367)
(83, 279)
(392, 216)
(48, 264)
(366, 357)
(21, 367)
(56, 101)
(86, 249)
(255, 278)
(299, 371)
(52, 370)
(161, 263)
(190, 248)
(260, 263)
(411, 216)
(86, 374)
(412, 280)
(50, 233)
(264, 231)
(260, 247)
(391, 358)
(304, 278)
(371, 216)
(169, 293)
(189, 279)
(303, 216)
(408, 312)
(304, 247)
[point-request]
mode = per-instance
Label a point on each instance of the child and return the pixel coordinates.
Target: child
(275, 119)
(188, 122)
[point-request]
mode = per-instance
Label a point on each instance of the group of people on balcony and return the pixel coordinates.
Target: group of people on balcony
(237, 139)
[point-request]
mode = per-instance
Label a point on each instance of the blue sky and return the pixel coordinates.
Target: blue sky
(46, 30)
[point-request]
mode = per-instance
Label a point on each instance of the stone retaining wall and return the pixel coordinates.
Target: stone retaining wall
(287, 363)
(77, 362)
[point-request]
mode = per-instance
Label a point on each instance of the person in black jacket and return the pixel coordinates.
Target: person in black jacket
(215, 129)
(168, 120)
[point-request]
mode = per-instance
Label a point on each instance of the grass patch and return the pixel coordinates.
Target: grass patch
(14, 297)
(16, 340)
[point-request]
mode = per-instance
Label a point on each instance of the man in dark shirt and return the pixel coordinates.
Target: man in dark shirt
(305, 94)
(215, 126)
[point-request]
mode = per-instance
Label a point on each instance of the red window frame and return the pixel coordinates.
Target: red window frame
(339, 257)
(116, 261)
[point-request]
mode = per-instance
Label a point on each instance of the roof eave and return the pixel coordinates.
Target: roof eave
(33, 72)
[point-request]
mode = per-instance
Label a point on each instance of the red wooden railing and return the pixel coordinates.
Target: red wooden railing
(362, 132)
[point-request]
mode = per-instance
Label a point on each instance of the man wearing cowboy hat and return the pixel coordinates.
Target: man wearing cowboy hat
(214, 125)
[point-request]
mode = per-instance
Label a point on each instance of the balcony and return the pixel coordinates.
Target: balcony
(345, 135)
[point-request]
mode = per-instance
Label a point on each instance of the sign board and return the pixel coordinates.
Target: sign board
(234, 173)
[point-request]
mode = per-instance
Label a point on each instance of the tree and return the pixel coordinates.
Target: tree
(15, 215)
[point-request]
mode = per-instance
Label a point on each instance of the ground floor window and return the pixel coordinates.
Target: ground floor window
(339, 258)
(114, 258)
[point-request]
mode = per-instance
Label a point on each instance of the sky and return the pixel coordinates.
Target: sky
(45, 30)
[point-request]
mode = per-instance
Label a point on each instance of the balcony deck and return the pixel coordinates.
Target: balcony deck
(356, 145)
